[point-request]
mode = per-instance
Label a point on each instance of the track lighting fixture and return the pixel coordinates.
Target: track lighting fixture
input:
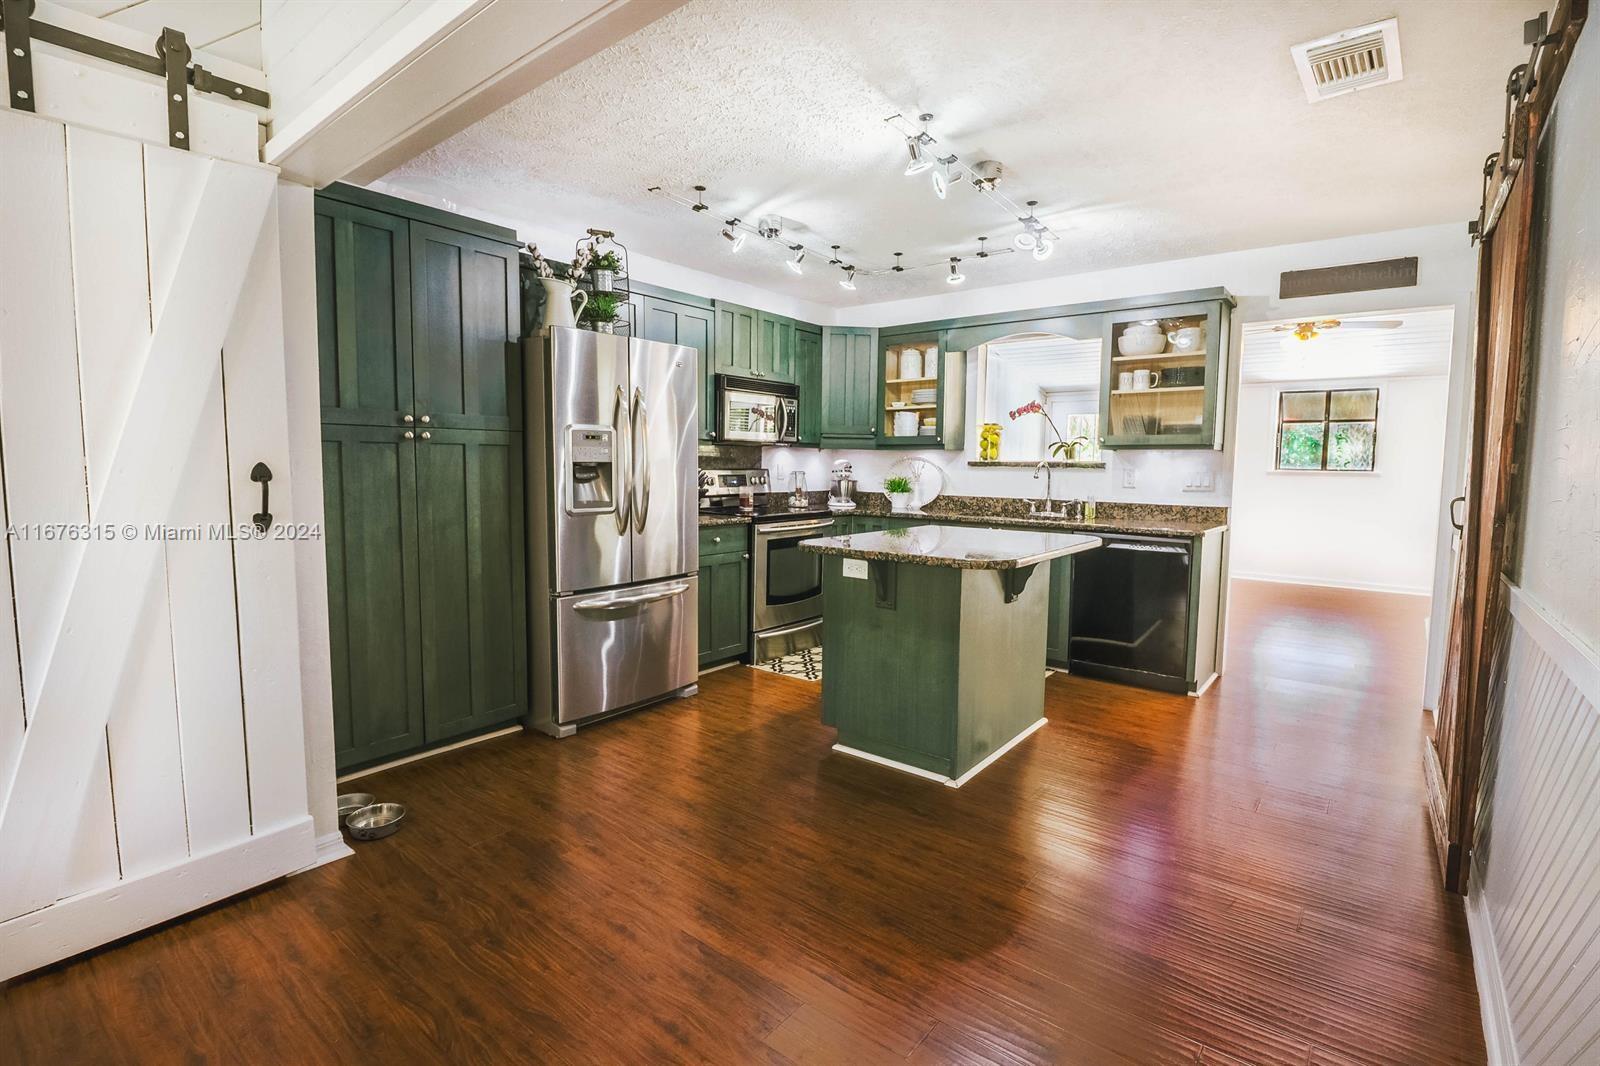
(941, 177)
(920, 160)
(733, 234)
(849, 279)
(699, 199)
(956, 277)
(897, 268)
(983, 249)
(1042, 247)
(799, 257)
(835, 261)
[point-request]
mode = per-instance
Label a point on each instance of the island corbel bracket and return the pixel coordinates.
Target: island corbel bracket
(1013, 581)
(882, 583)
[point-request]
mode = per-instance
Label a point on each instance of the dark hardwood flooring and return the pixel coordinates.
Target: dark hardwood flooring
(1149, 879)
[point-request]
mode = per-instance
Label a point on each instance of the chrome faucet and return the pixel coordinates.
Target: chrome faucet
(1049, 496)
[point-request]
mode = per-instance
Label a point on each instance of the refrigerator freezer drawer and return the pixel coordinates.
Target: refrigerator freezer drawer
(624, 647)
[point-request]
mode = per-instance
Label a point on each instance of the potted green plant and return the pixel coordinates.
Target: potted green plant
(601, 311)
(604, 270)
(898, 489)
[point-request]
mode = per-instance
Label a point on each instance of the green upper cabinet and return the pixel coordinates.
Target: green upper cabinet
(848, 411)
(808, 376)
(921, 391)
(775, 347)
(1163, 379)
(466, 311)
(734, 340)
(363, 314)
(694, 326)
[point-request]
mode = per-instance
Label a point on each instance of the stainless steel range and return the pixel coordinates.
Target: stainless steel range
(785, 582)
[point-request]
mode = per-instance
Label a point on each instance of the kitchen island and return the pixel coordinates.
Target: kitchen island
(935, 643)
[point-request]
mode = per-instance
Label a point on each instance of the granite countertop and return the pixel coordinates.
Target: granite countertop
(708, 521)
(1132, 519)
(955, 547)
(1133, 527)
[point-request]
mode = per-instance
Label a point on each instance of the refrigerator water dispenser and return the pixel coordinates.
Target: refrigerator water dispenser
(591, 453)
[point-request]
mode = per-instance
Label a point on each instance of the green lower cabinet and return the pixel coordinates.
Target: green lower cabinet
(1060, 615)
(471, 551)
(374, 617)
(426, 587)
(724, 593)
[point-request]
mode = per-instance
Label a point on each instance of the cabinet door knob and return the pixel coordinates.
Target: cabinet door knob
(408, 420)
(747, 555)
(425, 420)
(716, 540)
(408, 434)
(426, 435)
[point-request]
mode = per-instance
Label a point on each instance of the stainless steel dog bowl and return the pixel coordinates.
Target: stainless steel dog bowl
(351, 802)
(375, 821)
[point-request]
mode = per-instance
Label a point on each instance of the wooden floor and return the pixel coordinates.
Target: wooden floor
(1242, 878)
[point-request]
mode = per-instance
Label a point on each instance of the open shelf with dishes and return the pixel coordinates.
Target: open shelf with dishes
(1163, 376)
(919, 392)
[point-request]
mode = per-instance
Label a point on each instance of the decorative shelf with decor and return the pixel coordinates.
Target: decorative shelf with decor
(1164, 375)
(921, 398)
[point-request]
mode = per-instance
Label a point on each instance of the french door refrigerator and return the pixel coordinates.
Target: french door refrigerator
(613, 537)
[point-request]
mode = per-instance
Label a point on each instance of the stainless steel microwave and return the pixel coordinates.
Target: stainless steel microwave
(753, 411)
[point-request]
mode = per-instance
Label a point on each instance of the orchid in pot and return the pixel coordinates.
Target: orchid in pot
(1066, 450)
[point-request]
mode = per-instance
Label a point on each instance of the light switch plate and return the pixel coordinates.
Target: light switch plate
(856, 568)
(1128, 477)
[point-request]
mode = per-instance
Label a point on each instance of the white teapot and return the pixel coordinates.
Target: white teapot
(1142, 338)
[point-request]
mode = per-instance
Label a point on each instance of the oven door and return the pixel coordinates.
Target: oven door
(750, 417)
(787, 582)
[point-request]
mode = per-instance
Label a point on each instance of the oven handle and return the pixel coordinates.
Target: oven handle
(617, 603)
(790, 527)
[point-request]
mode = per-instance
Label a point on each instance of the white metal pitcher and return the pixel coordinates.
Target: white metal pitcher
(558, 308)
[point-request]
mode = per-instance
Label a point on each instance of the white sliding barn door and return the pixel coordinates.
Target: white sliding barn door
(151, 750)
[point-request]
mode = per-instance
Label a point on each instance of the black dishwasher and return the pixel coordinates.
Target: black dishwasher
(1130, 611)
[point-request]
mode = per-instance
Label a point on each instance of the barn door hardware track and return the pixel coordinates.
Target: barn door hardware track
(170, 62)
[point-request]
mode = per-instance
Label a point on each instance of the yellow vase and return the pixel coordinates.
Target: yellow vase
(989, 442)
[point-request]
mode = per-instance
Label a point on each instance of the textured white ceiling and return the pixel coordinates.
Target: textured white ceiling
(1419, 347)
(1147, 131)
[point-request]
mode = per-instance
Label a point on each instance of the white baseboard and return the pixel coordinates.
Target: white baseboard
(80, 923)
(330, 848)
(1497, 1033)
(942, 779)
(1359, 586)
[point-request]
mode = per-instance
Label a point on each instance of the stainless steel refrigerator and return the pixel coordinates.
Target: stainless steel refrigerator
(613, 532)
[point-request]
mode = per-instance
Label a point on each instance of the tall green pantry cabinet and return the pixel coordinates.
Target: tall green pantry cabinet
(418, 319)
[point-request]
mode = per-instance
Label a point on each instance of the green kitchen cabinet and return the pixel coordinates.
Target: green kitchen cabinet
(775, 357)
(471, 587)
(734, 340)
(903, 371)
(694, 326)
(808, 376)
(363, 314)
(849, 387)
(724, 593)
(1060, 614)
(1184, 406)
(374, 614)
(466, 319)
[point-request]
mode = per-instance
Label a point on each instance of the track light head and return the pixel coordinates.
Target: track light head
(799, 257)
(956, 277)
(941, 177)
(1042, 247)
(920, 160)
(849, 279)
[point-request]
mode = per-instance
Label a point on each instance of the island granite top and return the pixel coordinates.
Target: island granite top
(958, 547)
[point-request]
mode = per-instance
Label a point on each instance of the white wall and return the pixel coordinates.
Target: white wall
(1350, 529)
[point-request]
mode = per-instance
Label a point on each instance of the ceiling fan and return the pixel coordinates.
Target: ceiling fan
(1304, 331)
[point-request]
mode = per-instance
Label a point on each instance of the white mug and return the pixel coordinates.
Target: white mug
(1141, 380)
(1125, 381)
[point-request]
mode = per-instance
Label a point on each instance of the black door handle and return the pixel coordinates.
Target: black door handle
(262, 473)
(1459, 527)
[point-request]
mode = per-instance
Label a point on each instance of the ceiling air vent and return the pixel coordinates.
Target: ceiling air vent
(1349, 60)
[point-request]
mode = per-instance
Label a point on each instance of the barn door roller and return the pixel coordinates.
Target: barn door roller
(170, 61)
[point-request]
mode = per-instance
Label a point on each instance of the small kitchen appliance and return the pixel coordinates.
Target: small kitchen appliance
(842, 491)
(756, 411)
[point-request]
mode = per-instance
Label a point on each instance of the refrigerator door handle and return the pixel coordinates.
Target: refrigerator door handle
(623, 462)
(617, 603)
(641, 506)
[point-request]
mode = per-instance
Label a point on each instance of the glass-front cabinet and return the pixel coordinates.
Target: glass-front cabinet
(920, 394)
(1164, 375)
